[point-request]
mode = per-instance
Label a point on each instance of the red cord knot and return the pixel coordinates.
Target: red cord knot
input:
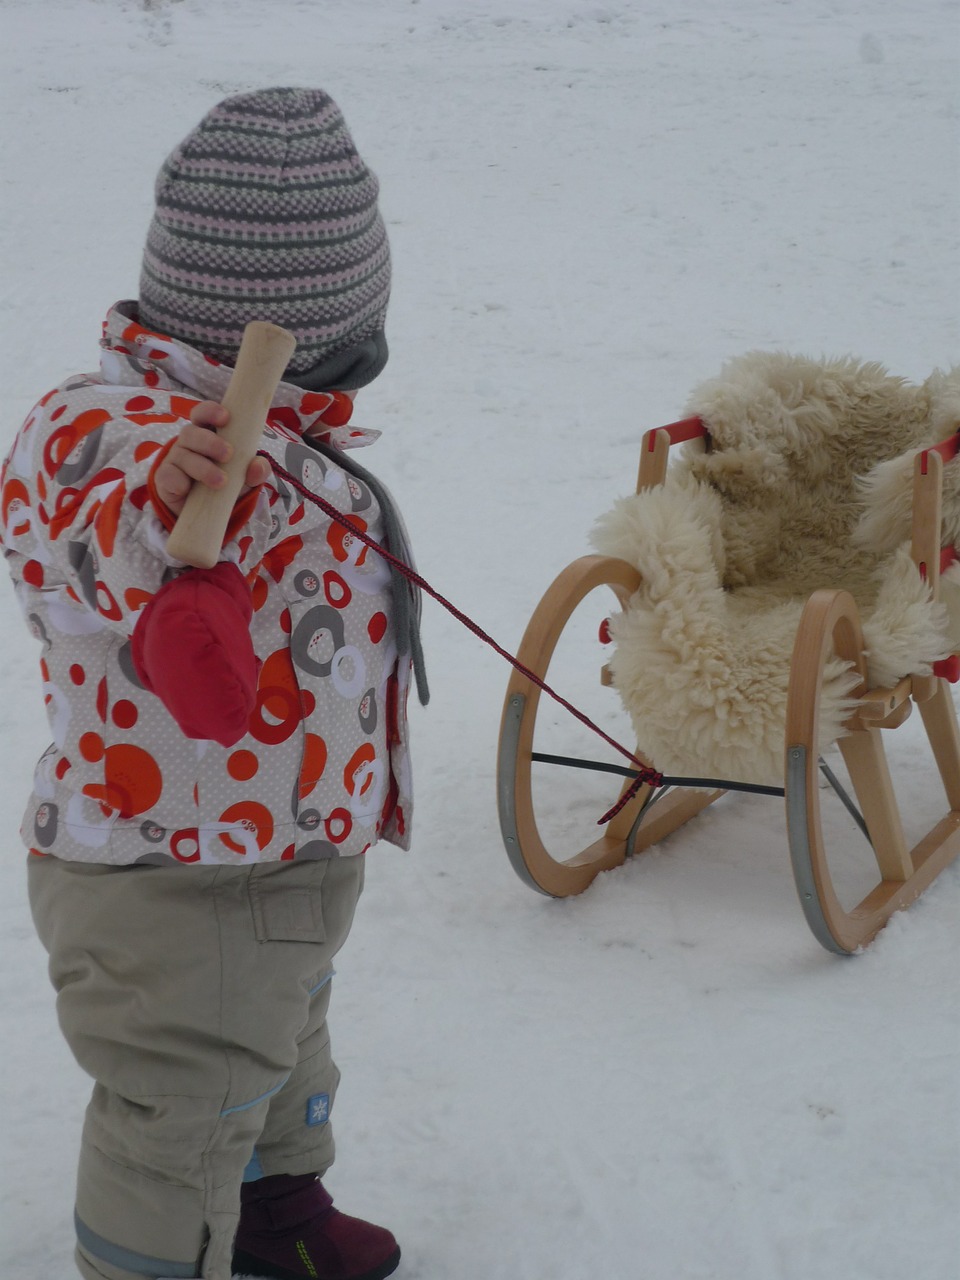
(646, 777)
(604, 632)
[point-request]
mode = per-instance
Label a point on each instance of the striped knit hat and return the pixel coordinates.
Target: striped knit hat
(266, 212)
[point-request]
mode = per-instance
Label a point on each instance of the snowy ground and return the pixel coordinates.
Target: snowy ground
(591, 206)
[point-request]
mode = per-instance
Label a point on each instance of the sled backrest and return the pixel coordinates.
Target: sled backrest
(785, 442)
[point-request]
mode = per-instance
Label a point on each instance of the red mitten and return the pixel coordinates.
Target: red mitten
(192, 648)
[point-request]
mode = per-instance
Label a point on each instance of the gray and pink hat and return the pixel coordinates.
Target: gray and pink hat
(266, 212)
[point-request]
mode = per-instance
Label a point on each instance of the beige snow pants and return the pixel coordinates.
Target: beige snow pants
(196, 997)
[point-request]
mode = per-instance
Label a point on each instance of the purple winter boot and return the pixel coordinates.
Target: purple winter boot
(289, 1230)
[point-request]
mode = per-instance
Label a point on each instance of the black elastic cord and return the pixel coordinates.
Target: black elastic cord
(705, 784)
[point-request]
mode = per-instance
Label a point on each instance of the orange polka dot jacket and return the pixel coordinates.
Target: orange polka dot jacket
(323, 768)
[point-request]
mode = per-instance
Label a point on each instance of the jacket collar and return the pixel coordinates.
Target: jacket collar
(134, 356)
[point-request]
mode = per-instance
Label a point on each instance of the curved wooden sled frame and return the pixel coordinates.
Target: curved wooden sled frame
(829, 624)
(629, 832)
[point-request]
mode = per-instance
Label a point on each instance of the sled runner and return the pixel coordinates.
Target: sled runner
(785, 589)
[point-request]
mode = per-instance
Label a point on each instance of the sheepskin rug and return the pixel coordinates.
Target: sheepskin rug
(807, 484)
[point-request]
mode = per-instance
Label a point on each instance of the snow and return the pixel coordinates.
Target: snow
(591, 206)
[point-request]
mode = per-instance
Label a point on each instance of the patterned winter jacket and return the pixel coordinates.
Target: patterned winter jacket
(323, 769)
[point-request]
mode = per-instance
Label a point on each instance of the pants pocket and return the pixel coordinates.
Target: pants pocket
(287, 903)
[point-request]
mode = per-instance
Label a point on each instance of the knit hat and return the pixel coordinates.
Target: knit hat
(266, 212)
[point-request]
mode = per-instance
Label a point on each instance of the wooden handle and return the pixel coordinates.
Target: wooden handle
(265, 352)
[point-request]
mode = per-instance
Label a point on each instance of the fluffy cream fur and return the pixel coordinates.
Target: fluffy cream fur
(806, 485)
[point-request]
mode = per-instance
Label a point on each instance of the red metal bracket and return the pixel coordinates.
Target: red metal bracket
(947, 449)
(686, 429)
(947, 557)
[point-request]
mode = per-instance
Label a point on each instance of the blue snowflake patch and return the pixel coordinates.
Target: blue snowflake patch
(318, 1109)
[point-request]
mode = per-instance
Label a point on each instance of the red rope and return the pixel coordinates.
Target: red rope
(645, 774)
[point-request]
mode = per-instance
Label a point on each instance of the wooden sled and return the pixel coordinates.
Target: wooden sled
(830, 625)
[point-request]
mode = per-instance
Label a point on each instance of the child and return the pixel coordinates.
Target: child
(228, 743)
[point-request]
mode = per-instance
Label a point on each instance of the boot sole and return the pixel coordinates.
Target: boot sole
(245, 1264)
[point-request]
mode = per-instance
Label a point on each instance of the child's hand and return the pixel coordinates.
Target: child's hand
(198, 455)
